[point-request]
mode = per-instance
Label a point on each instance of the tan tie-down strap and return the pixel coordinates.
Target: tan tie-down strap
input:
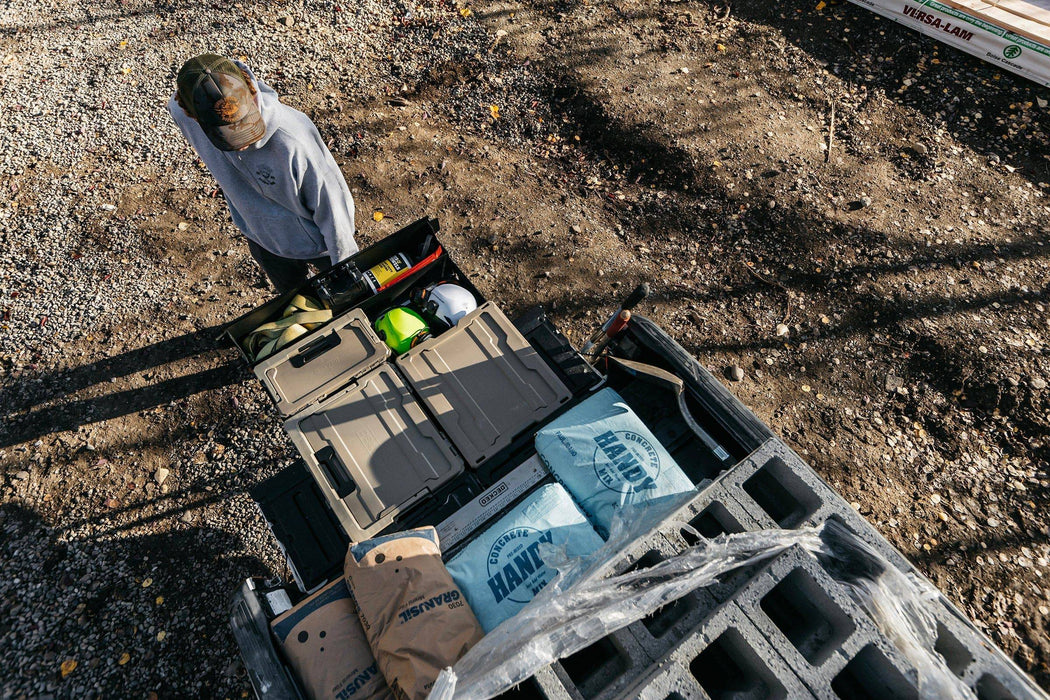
(299, 317)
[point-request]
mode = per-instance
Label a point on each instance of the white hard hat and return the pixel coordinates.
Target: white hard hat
(449, 302)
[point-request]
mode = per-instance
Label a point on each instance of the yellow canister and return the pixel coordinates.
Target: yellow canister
(387, 270)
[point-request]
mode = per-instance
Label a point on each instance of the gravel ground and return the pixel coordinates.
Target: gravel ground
(881, 305)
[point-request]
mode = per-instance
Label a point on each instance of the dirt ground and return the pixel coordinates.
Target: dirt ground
(853, 214)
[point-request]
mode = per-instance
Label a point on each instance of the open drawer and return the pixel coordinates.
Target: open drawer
(417, 240)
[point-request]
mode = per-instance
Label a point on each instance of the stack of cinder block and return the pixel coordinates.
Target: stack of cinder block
(780, 629)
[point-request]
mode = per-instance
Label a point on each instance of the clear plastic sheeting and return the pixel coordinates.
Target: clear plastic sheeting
(583, 604)
(898, 603)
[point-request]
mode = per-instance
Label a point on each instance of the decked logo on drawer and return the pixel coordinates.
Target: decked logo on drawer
(516, 572)
(493, 494)
(624, 461)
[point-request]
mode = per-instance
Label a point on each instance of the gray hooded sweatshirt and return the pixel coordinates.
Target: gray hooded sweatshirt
(285, 191)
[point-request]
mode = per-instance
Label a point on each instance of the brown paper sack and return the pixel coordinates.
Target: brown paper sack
(323, 641)
(414, 615)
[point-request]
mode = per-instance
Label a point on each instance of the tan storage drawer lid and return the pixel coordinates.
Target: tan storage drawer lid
(373, 451)
(483, 382)
(322, 362)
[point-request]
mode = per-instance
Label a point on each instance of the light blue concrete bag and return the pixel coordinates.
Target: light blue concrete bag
(606, 457)
(500, 571)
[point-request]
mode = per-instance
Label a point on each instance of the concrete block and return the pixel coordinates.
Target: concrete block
(976, 660)
(673, 682)
(711, 513)
(661, 630)
(722, 515)
(725, 657)
(544, 684)
(778, 489)
(604, 669)
(782, 628)
(872, 673)
(822, 634)
(549, 686)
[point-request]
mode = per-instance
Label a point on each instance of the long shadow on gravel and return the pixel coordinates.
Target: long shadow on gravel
(153, 509)
(139, 615)
(999, 120)
(863, 48)
(28, 417)
(801, 234)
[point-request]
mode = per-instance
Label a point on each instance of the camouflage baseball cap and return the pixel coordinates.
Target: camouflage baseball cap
(213, 90)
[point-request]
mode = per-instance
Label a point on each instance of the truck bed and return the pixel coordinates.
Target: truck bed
(745, 632)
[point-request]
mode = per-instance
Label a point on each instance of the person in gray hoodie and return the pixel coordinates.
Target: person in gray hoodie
(284, 188)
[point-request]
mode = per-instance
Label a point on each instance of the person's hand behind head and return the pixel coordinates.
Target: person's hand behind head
(221, 97)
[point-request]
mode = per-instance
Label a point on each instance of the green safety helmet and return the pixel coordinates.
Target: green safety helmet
(401, 328)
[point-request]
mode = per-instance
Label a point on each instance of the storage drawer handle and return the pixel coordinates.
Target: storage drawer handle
(313, 350)
(336, 471)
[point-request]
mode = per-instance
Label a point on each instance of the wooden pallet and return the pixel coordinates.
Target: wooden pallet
(1027, 18)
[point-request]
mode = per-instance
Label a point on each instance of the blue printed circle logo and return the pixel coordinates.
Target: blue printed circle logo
(515, 570)
(1012, 51)
(625, 462)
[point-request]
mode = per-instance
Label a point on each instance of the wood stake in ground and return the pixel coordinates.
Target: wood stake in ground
(831, 134)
